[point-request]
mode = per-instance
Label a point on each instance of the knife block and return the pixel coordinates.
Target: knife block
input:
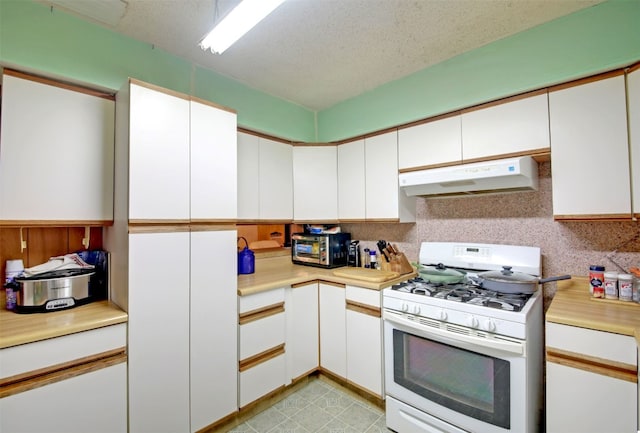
(398, 263)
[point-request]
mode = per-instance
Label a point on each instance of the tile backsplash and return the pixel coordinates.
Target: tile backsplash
(520, 218)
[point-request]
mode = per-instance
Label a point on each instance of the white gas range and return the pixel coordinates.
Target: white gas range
(461, 358)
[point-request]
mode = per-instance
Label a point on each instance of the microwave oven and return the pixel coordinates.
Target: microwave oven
(323, 250)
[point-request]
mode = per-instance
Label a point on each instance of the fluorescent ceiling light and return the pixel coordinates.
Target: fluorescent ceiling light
(238, 22)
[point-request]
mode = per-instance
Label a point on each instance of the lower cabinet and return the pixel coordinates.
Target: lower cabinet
(351, 335)
(333, 328)
(74, 383)
(302, 329)
(263, 364)
(364, 339)
(182, 305)
(592, 381)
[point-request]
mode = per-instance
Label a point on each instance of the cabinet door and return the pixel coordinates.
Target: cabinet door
(589, 150)
(248, 177)
(430, 144)
(214, 155)
(91, 402)
(158, 349)
(364, 339)
(333, 342)
(213, 327)
(57, 153)
(633, 92)
(315, 180)
(276, 180)
(582, 401)
(302, 330)
(158, 155)
(515, 127)
(351, 181)
(384, 200)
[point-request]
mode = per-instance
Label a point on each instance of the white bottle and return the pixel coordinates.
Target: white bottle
(611, 285)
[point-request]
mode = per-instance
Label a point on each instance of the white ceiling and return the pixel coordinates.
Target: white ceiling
(317, 53)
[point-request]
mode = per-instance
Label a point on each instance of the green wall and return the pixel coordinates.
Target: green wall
(35, 38)
(603, 37)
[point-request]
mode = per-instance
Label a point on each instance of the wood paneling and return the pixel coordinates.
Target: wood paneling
(44, 243)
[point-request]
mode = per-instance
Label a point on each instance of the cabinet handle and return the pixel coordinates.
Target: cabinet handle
(56, 373)
(592, 364)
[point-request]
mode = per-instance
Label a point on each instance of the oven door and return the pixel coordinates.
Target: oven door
(471, 382)
(307, 249)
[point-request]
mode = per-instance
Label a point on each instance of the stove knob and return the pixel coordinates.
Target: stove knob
(442, 315)
(490, 325)
(405, 307)
(416, 309)
(472, 322)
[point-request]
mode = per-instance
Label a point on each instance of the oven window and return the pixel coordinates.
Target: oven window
(467, 382)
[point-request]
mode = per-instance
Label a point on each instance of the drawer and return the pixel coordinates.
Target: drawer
(41, 354)
(261, 379)
(363, 296)
(261, 335)
(599, 344)
(260, 300)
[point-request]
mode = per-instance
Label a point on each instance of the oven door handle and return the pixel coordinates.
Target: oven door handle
(456, 339)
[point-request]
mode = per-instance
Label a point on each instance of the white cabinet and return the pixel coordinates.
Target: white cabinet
(364, 339)
(591, 380)
(432, 144)
(351, 181)
(159, 332)
(262, 359)
(368, 181)
(158, 155)
(182, 158)
(86, 371)
(516, 127)
(302, 330)
(315, 183)
(333, 326)
(589, 151)
(383, 198)
(265, 179)
(174, 263)
(633, 95)
(213, 185)
(213, 334)
(57, 153)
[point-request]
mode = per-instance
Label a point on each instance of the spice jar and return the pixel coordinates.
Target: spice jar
(596, 281)
(611, 285)
(625, 287)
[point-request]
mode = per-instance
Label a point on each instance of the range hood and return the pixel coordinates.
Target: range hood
(513, 174)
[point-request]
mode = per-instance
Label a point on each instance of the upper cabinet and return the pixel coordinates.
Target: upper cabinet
(158, 155)
(384, 200)
(368, 181)
(435, 143)
(351, 181)
(214, 192)
(589, 150)
(181, 157)
(57, 153)
(315, 183)
(515, 127)
(265, 179)
(633, 94)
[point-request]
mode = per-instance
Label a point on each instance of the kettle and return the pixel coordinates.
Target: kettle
(246, 259)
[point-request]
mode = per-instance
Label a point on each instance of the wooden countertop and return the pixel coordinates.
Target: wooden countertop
(573, 305)
(274, 272)
(18, 329)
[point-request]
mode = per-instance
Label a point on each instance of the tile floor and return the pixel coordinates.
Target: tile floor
(319, 406)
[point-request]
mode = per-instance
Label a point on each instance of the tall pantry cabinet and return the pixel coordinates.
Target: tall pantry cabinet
(174, 262)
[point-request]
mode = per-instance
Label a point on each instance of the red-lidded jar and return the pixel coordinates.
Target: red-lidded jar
(596, 281)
